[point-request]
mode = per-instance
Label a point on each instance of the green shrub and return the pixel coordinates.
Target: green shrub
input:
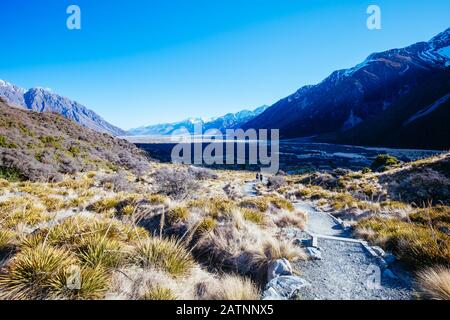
(5, 144)
(383, 162)
(10, 174)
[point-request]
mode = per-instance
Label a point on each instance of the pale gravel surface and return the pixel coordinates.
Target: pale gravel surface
(342, 274)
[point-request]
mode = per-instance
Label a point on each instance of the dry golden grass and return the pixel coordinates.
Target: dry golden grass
(295, 219)
(166, 254)
(52, 203)
(178, 214)
(207, 224)
(99, 251)
(434, 283)
(215, 207)
(415, 244)
(30, 273)
(275, 249)
(233, 287)
(7, 240)
(106, 204)
(259, 203)
(21, 210)
(94, 285)
(254, 216)
(74, 183)
(158, 292)
(280, 203)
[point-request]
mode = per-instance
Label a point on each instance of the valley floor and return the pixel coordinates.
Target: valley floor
(180, 232)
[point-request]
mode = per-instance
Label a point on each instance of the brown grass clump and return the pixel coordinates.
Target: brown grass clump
(295, 219)
(434, 283)
(275, 249)
(233, 287)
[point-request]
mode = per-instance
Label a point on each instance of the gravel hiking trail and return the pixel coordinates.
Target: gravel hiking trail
(345, 267)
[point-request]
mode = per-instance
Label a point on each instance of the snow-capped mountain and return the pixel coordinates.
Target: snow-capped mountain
(348, 98)
(228, 121)
(43, 100)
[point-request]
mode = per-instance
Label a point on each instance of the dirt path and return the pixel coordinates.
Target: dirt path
(346, 268)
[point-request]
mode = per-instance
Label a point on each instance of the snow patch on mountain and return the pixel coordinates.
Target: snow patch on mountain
(427, 110)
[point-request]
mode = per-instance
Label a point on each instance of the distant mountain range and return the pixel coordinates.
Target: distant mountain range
(228, 121)
(43, 100)
(398, 98)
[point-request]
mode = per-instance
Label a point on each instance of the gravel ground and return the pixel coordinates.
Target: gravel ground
(342, 274)
(345, 269)
(321, 222)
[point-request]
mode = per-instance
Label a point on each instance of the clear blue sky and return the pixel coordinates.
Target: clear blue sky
(142, 62)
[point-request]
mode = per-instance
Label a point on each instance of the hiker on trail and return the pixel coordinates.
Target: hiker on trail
(257, 176)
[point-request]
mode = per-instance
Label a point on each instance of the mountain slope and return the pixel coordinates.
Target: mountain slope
(417, 120)
(348, 97)
(43, 146)
(228, 121)
(42, 100)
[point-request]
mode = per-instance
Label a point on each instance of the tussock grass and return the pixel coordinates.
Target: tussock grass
(313, 192)
(207, 224)
(434, 283)
(21, 210)
(7, 240)
(30, 273)
(166, 254)
(275, 249)
(100, 251)
(178, 214)
(234, 287)
(106, 204)
(157, 199)
(281, 203)
(53, 204)
(94, 285)
(438, 216)
(215, 207)
(295, 219)
(254, 216)
(415, 245)
(73, 183)
(158, 292)
(258, 203)
(4, 183)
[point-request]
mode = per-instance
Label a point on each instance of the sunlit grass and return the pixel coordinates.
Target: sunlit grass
(166, 254)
